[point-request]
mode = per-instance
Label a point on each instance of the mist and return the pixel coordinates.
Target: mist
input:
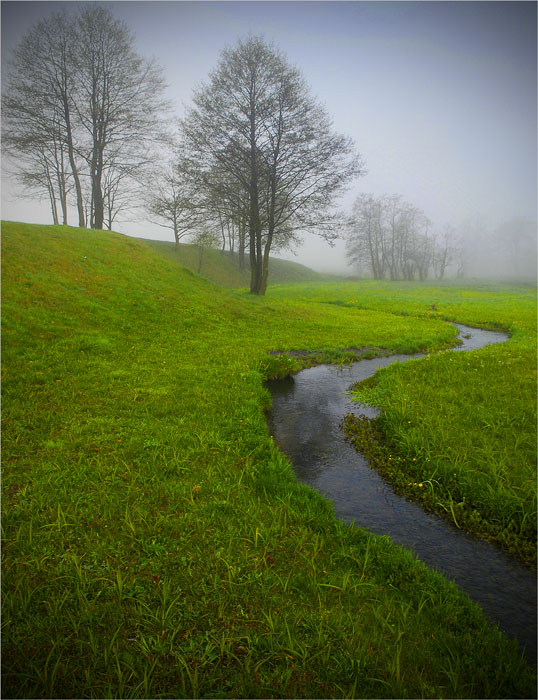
(439, 98)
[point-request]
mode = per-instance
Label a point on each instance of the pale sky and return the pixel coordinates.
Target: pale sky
(439, 97)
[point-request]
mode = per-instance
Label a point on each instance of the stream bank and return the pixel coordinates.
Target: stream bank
(304, 420)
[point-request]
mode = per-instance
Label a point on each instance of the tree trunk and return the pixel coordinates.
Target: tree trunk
(242, 255)
(242, 245)
(73, 164)
(98, 204)
(53, 206)
(176, 230)
(253, 264)
(265, 267)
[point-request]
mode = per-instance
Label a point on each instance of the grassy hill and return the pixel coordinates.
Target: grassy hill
(223, 267)
(155, 540)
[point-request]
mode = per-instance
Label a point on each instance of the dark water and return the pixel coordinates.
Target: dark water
(304, 420)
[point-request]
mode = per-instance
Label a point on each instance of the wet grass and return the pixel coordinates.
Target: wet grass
(461, 424)
(155, 541)
(224, 268)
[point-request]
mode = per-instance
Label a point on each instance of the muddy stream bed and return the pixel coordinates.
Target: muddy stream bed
(304, 420)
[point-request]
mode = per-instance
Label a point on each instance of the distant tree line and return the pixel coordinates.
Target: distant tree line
(393, 239)
(82, 113)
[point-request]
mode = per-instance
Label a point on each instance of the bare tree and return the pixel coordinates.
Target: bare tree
(391, 237)
(80, 104)
(366, 242)
(255, 123)
(171, 204)
(120, 105)
(38, 105)
(445, 251)
(203, 239)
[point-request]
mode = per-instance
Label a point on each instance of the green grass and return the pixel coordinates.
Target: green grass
(223, 267)
(155, 541)
(462, 424)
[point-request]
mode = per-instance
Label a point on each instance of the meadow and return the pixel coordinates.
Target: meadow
(156, 542)
(458, 430)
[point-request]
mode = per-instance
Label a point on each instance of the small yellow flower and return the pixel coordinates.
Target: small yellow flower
(420, 486)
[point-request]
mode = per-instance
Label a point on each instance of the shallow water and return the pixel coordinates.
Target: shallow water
(304, 420)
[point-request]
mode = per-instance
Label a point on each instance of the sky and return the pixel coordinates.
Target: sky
(439, 97)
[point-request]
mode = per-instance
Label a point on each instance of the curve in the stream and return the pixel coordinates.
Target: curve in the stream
(304, 420)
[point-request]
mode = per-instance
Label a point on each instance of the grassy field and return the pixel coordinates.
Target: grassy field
(155, 541)
(458, 430)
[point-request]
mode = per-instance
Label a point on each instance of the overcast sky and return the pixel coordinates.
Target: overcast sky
(440, 97)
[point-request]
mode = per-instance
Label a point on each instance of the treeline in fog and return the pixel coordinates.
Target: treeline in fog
(388, 238)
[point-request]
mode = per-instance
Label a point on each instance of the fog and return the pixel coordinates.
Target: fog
(439, 97)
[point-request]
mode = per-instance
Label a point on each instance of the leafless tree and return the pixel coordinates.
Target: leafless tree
(367, 241)
(256, 123)
(203, 239)
(38, 106)
(390, 236)
(120, 105)
(171, 204)
(445, 251)
(80, 104)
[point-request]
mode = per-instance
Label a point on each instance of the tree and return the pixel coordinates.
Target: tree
(205, 238)
(391, 236)
(445, 251)
(171, 202)
(255, 126)
(38, 107)
(367, 241)
(120, 105)
(80, 104)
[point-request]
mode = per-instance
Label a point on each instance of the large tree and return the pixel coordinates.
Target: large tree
(255, 127)
(82, 111)
(38, 111)
(120, 104)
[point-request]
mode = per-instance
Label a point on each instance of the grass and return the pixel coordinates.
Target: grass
(223, 267)
(155, 541)
(461, 424)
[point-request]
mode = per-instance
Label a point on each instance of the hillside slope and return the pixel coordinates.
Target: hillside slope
(155, 540)
(223, 268)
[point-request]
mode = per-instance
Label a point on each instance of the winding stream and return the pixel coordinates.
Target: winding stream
(304, 420)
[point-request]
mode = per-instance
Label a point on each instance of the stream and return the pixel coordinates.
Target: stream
(304, 420)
